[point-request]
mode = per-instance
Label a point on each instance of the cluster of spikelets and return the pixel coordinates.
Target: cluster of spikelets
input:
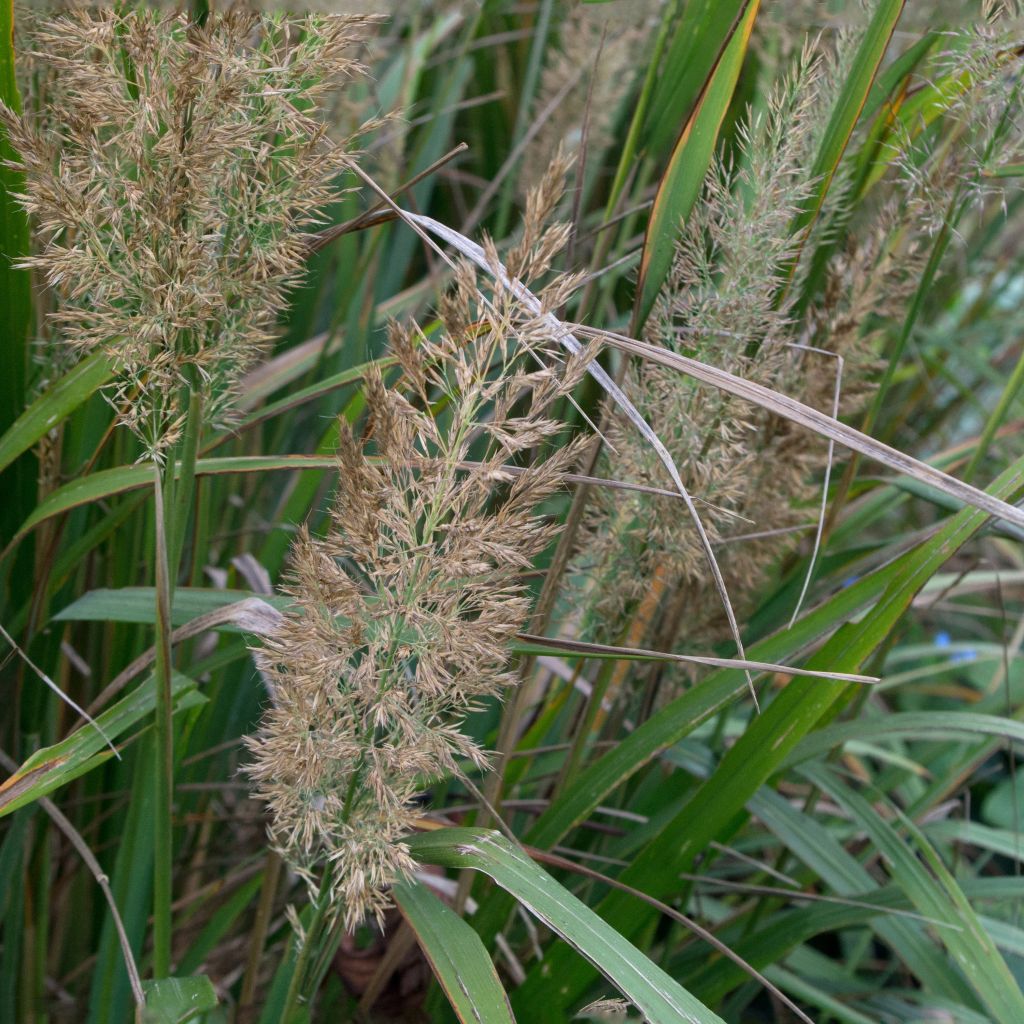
(172, 188)
(736, 299)
(719, 305)
(982, 102)
(404, 610)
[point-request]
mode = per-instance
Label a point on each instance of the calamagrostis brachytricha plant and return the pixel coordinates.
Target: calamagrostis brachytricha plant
(171, 181)
(720, 304)
(405, 608)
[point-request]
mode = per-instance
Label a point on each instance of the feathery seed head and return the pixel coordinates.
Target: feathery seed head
(171, 181)
(404, 609)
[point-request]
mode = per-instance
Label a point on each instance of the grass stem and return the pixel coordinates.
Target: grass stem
(173, 500)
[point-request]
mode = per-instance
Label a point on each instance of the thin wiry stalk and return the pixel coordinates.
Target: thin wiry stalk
(173, 496)
(820, 529)
(305, 946)
(163, 768)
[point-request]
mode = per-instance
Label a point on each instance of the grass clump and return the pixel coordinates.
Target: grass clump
(409, 615)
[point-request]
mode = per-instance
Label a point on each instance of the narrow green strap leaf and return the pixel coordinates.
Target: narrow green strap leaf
(890, 81)
(457, 957)
(915, 115)
(817, 846)
(120, 479)
(313, 391)
(56, 403)
(678, 719)
(52, 767)
(717, 807)
(684, 177)
(107, 483)
(137, 604)
(221, 922)
(1007, 842)
(703, 32)
(657, 997)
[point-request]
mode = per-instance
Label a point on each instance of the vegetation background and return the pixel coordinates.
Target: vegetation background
(301, 514)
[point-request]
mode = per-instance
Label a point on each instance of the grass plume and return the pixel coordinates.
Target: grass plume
(171, 184)
(405, 608)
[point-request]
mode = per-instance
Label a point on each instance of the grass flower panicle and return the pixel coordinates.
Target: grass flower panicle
(720, 304)
(405, 608)
(171, 184)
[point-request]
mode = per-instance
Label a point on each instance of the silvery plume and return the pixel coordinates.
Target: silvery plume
(171, 180)
(404, 609)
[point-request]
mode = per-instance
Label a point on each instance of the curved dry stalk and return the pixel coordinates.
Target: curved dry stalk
(799, 895)
(819, 532)
(812, 419)
(580, 647)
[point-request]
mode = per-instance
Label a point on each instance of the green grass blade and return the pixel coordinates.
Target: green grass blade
(848, 106)
(15, 285)
(915, 115)
(178, 1000)
(12, 895)
(86, 748)
(813, 844)
(318, 389)
(684, 177)
(703, 32)
(678, 719)
(131, 880)
(223, 919)
(106, 483)
(936, 894)
(1002, 841)
(817, 996)
(786, 931)
(135, 604)
(457, 956)
(890, 81)
(51, 407)
(1007, 171)
(655, 995)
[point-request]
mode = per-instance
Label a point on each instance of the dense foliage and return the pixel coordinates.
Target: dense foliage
(511, 512)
